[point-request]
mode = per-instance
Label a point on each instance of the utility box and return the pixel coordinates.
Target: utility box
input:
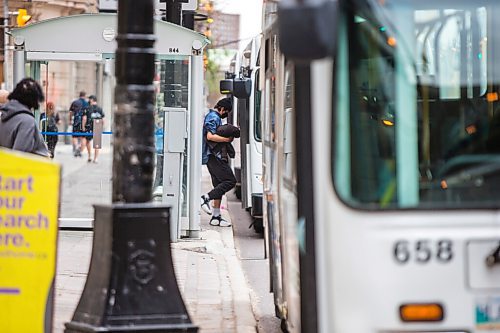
(175, 136)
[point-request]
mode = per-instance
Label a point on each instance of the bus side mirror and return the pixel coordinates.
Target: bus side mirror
(242, 88)
(226, 86)
(307, 29)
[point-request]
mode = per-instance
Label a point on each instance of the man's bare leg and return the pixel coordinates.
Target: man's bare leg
(87, 145)
(76, 147)
(96, 153)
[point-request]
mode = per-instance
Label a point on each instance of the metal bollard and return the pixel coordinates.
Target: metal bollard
(97, 135)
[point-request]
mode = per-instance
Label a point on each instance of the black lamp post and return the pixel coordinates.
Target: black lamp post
(131, 285)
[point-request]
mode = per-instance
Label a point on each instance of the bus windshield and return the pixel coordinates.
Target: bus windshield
(417, 110)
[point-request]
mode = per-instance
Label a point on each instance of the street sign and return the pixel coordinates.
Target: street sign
(112, 5)
(29, 208)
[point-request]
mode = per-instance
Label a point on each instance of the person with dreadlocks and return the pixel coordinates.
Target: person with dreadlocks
(18, 130)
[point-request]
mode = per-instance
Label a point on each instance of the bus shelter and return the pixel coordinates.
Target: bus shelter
(178, 108)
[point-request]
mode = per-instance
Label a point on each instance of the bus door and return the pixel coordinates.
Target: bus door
(243, 112)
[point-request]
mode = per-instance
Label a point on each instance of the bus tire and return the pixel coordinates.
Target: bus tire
(283, 326)
(277, 312)
(258, 226)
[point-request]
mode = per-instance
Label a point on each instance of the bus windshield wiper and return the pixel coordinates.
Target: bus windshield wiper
(468, 167)
(472, 173)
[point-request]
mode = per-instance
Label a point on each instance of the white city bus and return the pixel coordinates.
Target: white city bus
(251, 134)
(396, 140)
(279, 174)
(242, 84)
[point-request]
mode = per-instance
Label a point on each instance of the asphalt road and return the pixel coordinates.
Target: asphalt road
(250, 247)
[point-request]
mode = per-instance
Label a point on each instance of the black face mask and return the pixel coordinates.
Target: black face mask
(224, 115)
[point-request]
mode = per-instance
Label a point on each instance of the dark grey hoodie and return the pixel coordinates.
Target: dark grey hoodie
(18, 130)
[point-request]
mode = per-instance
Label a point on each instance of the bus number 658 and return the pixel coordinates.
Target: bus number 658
(423, 251)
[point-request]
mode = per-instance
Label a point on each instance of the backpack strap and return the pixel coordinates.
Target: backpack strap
(21, 112)
(26, 112)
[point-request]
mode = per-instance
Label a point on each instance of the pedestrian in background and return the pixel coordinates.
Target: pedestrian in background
(223, 178)
(18, 130)
(50, 125)
(76, 113)
(92, 113)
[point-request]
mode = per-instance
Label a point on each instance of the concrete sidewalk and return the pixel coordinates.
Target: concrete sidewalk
(209, 273)
(83, 183)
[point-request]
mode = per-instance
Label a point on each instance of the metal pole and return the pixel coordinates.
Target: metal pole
(6, 61)
(46, 84)
(134, 146)
(174, 10)
(100, 82)
(195, 139)
(19, 61)
(108, 88)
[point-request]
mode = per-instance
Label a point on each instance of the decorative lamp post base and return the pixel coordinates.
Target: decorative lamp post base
(131, 285)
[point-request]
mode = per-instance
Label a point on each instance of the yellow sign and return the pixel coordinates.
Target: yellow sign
(29, 207)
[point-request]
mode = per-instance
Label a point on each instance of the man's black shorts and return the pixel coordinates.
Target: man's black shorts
(77, 132)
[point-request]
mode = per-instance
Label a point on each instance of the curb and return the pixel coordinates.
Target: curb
(245, 317)
(219, 241)
(245, 321)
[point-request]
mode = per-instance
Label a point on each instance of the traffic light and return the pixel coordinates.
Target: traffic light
(208, 32)
(22, 17)
(205, 61)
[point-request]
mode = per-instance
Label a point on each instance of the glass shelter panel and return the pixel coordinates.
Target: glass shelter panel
(172, 91)
(419, 124)
(85, 183)
(85, 157)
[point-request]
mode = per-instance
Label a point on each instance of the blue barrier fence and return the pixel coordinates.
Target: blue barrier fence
(82, 133)
(73, 133)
